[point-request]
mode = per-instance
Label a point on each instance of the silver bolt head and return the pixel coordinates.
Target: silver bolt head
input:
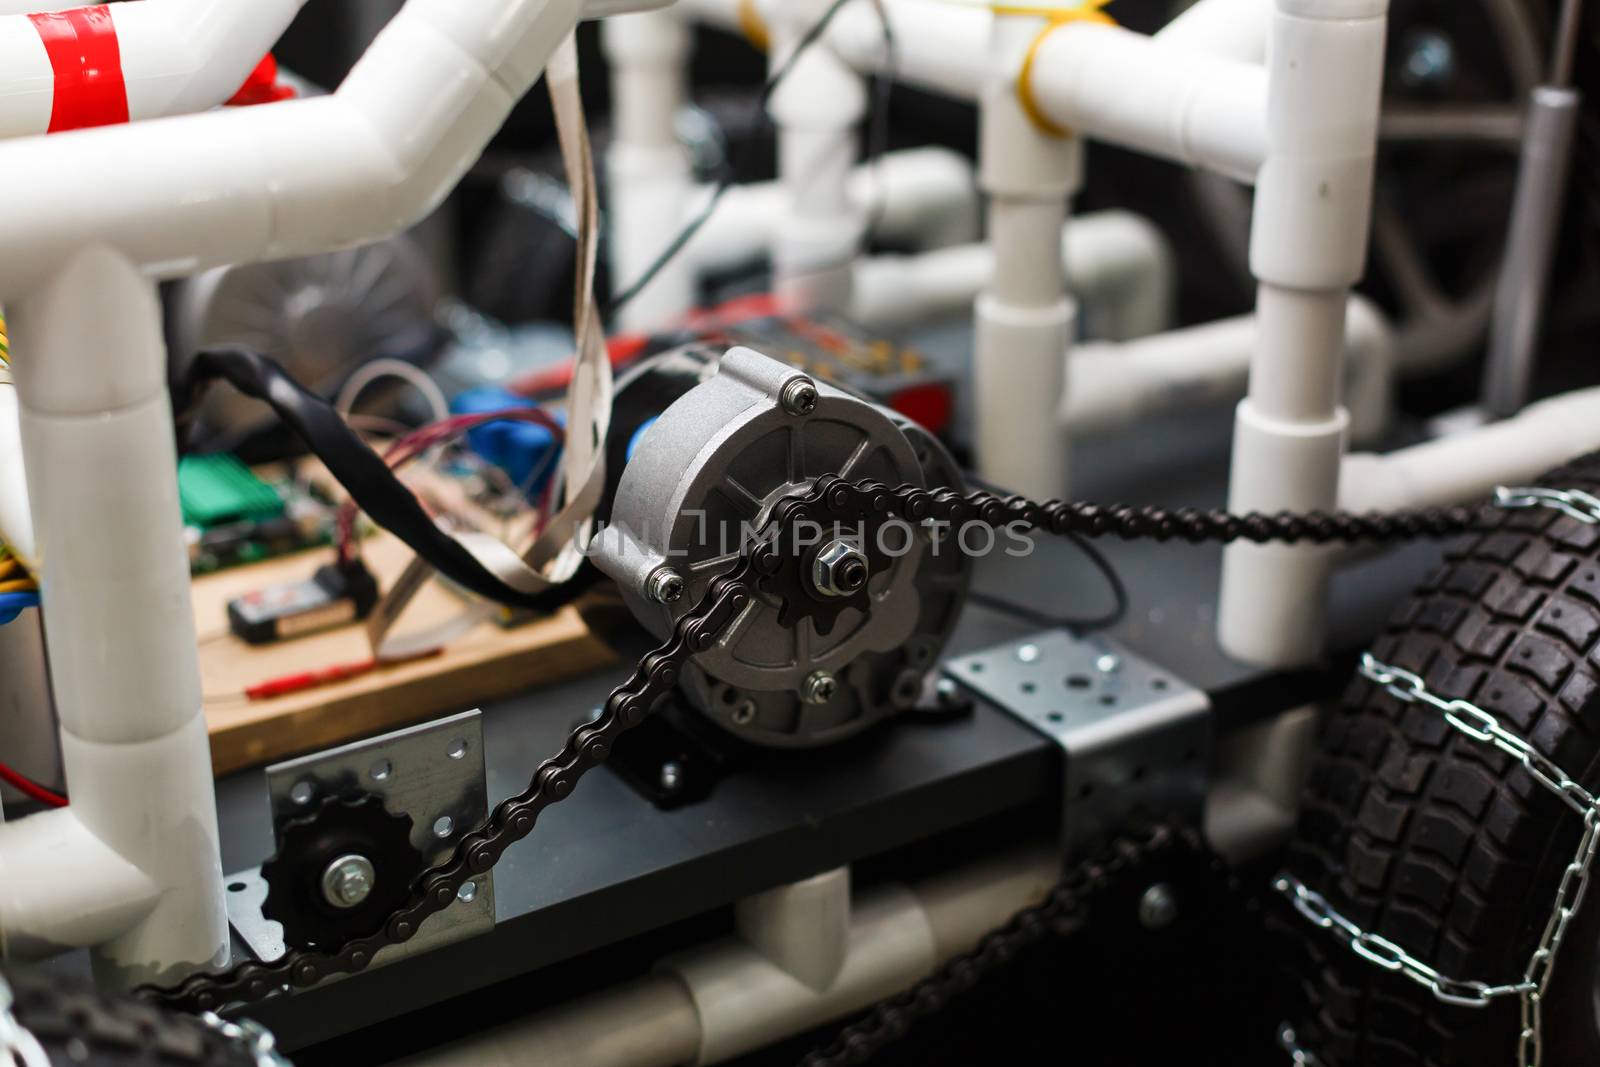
(671, 775)
(819, 687)
(348, 881)
(839, 570)
(1028, 653)
(1108, 663)
(1158, 908)
(799, 396)
(665, 586)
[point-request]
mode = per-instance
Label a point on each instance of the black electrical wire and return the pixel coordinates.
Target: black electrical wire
(1079, 625)
(730, 170)
(354, 465)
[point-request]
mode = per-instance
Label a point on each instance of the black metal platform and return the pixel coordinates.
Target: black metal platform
(606, 866)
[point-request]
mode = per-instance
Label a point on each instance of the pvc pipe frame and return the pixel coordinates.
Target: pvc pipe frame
(1469, 466)
(1309, 238)
(930, 201)
(175, 56)
(1112, 386)
(1123, 272)
(1196, 96)
(297, 178)
(803, 954)
(923, 198)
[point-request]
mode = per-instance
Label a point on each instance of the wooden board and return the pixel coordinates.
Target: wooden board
(485, 663)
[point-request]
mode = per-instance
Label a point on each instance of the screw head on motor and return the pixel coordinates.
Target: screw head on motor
(665, 586)
(799, 396)
(819, 687)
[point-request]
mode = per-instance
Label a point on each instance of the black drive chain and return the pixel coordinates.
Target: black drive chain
(704, 625)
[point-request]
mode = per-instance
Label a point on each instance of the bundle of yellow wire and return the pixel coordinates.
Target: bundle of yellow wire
(14, 578)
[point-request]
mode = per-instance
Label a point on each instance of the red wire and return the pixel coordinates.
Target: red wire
(414, 444)
(28, 787)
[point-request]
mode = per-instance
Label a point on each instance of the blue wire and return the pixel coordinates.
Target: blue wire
(13, 604)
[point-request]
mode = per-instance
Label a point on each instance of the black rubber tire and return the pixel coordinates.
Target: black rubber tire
(79, 1027)
(1441, 843)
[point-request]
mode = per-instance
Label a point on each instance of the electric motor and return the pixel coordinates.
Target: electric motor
(703, 482)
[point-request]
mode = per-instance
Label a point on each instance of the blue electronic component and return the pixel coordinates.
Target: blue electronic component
(524, 450)
(13, 604)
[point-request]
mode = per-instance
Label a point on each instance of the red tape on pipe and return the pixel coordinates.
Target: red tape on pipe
(87, 60)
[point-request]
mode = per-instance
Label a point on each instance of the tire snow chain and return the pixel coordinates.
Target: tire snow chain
(1483, 727)
(708, 622)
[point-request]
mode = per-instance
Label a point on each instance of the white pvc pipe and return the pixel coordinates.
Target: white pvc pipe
(62, 887)
(720, 1000)
(177, 56)
(1467, 467)
(294, 179)
(815, 111)
(1113, 386)
(937, 45)
(1232, 29)
(1121, 270)
(928, 197)
(1024, 317)
(16, 518)
(934, 42)
(650, 180)
(1148, 94)
(124, 670)
(1309, 237)
(1201, 102)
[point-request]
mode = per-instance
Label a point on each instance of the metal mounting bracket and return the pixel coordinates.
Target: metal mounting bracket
(433, 772)
(1137, 741)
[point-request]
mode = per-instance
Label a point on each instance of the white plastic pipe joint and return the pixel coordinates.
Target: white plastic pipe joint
(1308, 247)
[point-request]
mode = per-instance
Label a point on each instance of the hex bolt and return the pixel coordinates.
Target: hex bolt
(799, 396)
(348, 881)
(665, 585)
(1158, 908)
(819, 687)
(1108, 663)
(671, 776)
(839, 570)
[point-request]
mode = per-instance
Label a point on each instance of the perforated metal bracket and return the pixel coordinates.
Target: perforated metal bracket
(1137, 741)
(433, 772)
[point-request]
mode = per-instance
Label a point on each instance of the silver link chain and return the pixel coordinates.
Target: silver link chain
(1484, 727)
(256, 1040)
(1574, 503)
(1290, 1043)
(1375, 949)
(18, 1046)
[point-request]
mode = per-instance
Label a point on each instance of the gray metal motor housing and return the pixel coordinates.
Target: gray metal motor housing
(706, 476)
